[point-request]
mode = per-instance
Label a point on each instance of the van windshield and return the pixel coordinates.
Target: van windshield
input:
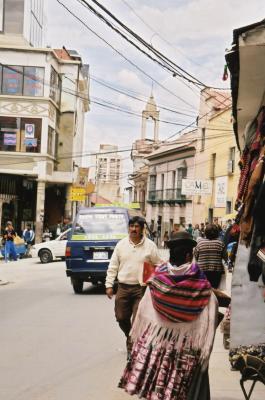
(100, 227)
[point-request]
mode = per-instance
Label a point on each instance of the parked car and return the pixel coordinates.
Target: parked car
(52, 249)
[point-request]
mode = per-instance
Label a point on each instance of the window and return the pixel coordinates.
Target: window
(12, 80)
(203, 140)
(173, 179)
(182, 174)
(228, 207)
(50, 141)
(55, 86)
(20, 134)
(162, 181)
(33, 81)
(152, 182)
(13, 16)
(212, 166)
(231, 161)
(26, 81)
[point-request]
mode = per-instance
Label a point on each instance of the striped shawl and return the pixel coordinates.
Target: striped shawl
(179, 297)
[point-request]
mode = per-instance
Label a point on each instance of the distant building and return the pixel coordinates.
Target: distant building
(108, 173)
(217, 157)
(44, 95)
(168, 165)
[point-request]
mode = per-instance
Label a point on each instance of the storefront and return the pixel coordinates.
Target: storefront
(248, 283)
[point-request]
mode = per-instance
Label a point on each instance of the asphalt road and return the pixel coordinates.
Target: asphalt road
(56, 345)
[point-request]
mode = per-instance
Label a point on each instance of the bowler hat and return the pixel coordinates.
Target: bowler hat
(180, 237)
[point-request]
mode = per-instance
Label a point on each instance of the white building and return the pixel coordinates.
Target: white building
(22, 22)
(168, 165)
(108, 172)
(43, 100)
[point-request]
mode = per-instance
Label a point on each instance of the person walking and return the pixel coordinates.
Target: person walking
(165, 240)
(196, 232)
(28, 236)
(210, 254)
(9, 235)
(126, 265)
(173, 331)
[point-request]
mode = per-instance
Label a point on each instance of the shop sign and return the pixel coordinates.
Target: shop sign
(78, 194)
(82, 178)
(220, 192)
(29, 131)
(192, 187)
(10, 139)
(30, 142)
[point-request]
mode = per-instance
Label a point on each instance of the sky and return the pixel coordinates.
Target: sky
(192, 33)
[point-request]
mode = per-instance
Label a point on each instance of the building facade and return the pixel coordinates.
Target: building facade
(108, 173)
(22, 22)
(216, 158)
(168, 165)
(43, 100)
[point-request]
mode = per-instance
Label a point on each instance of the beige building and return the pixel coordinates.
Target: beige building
(108, 173)
(216, 158)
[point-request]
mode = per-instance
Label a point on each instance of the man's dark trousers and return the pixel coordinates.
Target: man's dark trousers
(127, 300)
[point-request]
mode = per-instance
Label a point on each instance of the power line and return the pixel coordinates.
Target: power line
(137, 98)
(168, 64)
(123, 56)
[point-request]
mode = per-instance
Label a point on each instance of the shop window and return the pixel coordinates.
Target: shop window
(20, 134)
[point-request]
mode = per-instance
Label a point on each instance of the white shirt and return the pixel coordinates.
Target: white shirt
(127, 261)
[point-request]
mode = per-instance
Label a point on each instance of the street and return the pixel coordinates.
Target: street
(56, 345)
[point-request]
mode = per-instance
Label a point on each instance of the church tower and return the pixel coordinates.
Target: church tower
(152, 112)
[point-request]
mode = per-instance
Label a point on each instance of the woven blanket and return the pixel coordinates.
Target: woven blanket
(182, 297)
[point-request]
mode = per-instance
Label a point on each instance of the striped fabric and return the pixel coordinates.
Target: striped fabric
(179, 298)
(209, 255)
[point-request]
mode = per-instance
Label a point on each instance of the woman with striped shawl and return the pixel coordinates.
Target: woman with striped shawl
(173, 331)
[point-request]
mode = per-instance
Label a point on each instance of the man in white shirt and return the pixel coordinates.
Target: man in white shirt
(126, 265)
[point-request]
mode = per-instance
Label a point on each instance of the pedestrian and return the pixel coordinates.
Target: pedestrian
(165, 240)
(58, 229)
(210, 254)
(196, 232)
(126, 266)
(9, 235)
(202, 230)
(189, 229)
(28, 236)
(176, 228)
(173, 331)
(46, 236)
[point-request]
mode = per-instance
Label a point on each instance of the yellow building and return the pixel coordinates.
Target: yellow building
(216, 158)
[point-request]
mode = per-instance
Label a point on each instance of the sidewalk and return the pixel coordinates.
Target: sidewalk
(224, 383)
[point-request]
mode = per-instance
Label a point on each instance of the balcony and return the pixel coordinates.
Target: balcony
(170, 196)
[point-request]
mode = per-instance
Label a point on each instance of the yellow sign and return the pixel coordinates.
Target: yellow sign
(77, 197)
(78, 194)
(78, 190)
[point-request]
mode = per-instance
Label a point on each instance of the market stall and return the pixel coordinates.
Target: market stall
(246, 62)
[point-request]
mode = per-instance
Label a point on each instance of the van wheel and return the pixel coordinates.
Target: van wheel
(45, 256)
(77, 285)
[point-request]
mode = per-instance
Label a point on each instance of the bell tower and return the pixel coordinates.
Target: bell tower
(152, 112)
